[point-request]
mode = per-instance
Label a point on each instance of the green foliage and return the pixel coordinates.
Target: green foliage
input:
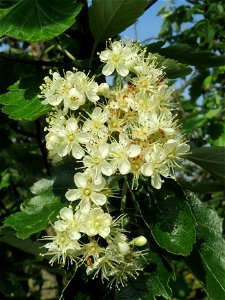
(21, 102)
(169, 218)
(7, 235)
(185, 54)
(109, 17)
(36, 214)
(211, 159)
(173, 68)
(208, 258)
(38, 20)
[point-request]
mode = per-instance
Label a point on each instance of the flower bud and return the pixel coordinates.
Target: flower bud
(103, 89)
(139, 241)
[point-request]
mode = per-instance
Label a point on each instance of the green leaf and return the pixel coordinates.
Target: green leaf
(196, 87)
(185, 54)
(107, 18)
(210, 159)
(169, 217)
(173, 68)
(38, 20)
(7, 236)
(202, 187)
(37, 212)
(158, 274)
(5, 179)
(21, 102)
(208, 258)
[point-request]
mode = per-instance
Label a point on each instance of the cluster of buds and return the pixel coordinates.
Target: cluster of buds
(128, 128)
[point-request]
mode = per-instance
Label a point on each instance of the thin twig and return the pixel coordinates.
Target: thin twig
(62, 295)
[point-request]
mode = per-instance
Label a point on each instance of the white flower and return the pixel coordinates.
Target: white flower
(70, 139)
(155, 165)
(96, 124)
(62, 247)
(83, 85)
(121, 152)
(87, 191)
(97, 162)
(161, 122)
(117, 58)
(97, 222)
(52, 90)
(74, 99)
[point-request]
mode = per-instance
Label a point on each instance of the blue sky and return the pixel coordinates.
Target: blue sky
(149, 24)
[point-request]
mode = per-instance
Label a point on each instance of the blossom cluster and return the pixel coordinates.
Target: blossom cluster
(128, 128)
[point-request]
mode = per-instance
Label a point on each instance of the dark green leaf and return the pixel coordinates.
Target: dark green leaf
(5, 179)
(210, 158)
(7, 236)
(196, 87)
(158, 274)
(109, 17)
(169, 217)
(38, 20)
(202, 187)
(173, 68)
(37, 212)
(185, 54)
(21, 103)
(208, 258)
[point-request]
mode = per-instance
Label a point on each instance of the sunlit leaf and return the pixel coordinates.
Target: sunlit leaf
(109, 17)
(38, 20)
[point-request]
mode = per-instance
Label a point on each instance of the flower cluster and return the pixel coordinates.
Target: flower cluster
(127, 128)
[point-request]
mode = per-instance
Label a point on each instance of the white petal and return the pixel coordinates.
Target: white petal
(106, 168)
(182, 148)
(77, 151)
(134, 150)
(73, 195)
(147, 169)
(74, 235)
(66, 214)
(60, 226)
(124, 167)
(104, 232)
(83, 137)
(168, 131)
(104, 55)
(108, 69)
(71, 124)
(98, 198)
(104, 150)
(63, 150)
(156, 181)
(122, 69)
(80, 179)
(85, 206)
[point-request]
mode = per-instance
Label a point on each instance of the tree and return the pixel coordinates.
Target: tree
(180, 220)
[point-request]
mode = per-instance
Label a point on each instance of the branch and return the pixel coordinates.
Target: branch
(37, 63)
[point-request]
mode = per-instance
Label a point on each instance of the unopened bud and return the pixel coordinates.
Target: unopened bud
(139, 241)
(103, 89)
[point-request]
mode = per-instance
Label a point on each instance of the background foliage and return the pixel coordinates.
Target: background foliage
(184, 220)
